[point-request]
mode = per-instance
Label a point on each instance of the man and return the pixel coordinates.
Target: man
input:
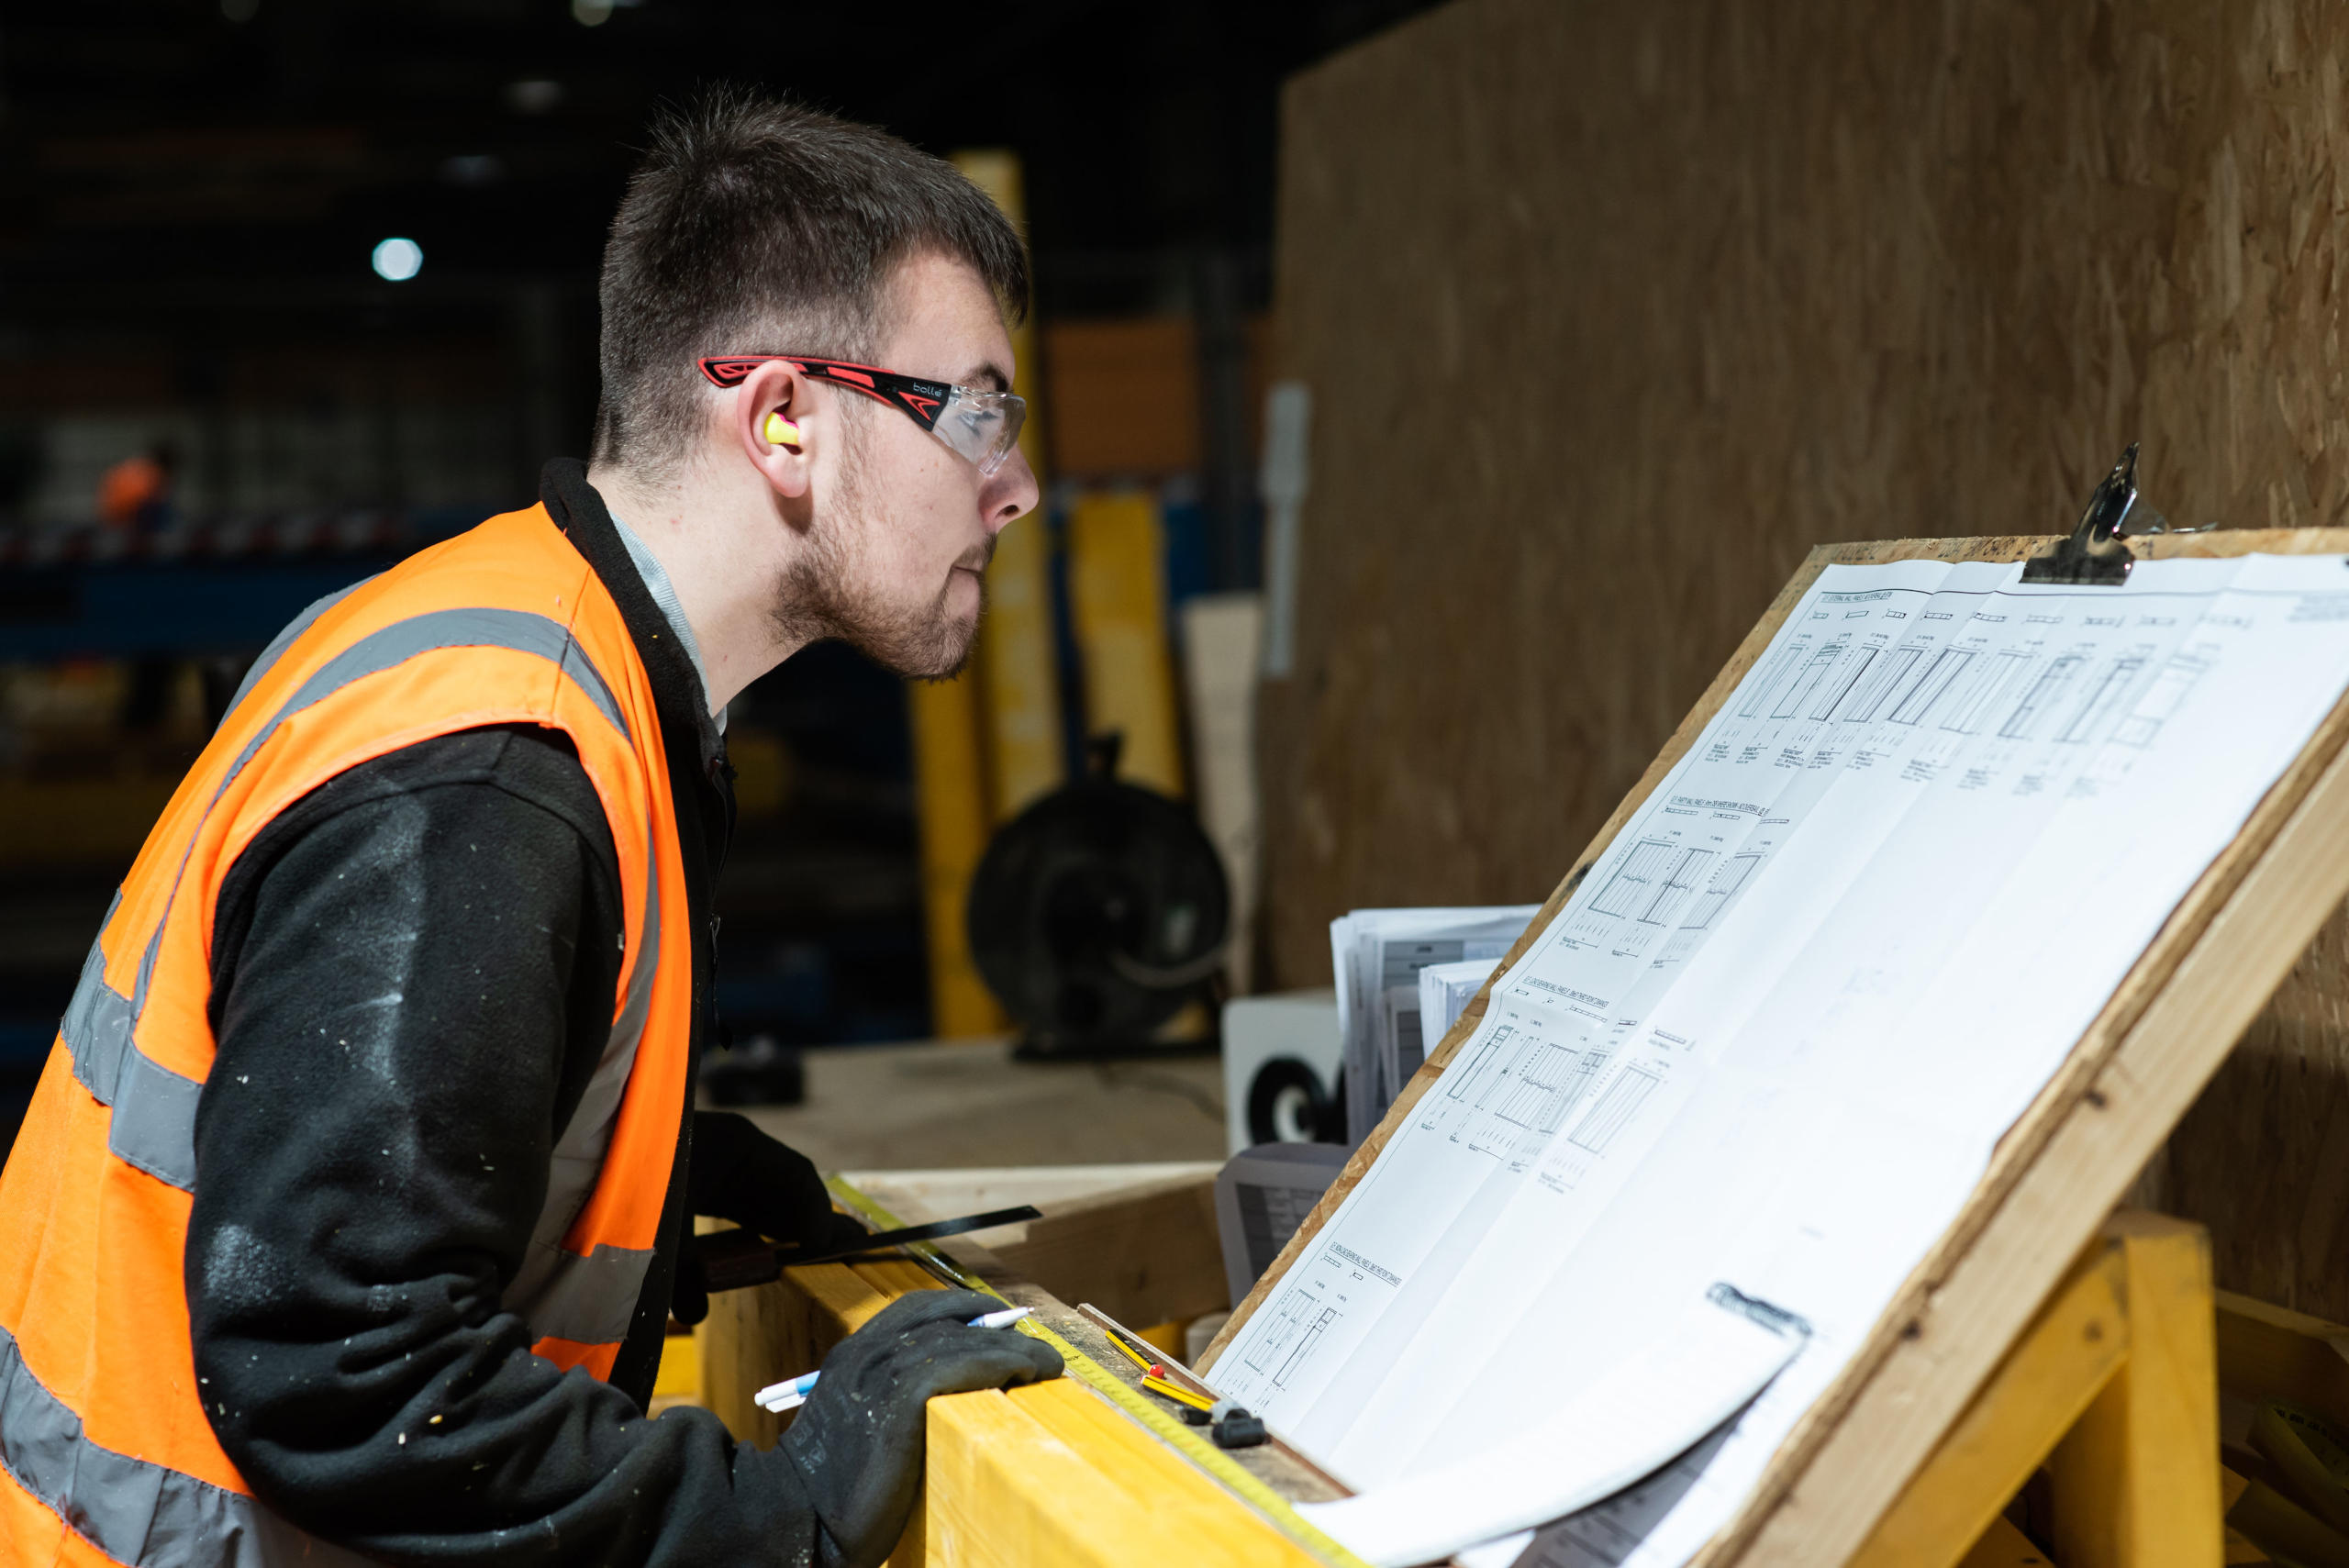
(349, 1213)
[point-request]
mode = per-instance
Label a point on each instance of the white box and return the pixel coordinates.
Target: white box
(1282, 1055)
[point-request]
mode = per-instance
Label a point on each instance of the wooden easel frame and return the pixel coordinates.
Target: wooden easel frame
(2114, 1388)
(2061, 1168)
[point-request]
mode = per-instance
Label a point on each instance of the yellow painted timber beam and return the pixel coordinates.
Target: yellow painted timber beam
(2065, 1360)
(2136, 1481)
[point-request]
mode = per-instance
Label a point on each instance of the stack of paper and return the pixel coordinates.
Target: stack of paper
(1377, 955)
(1770, 1042)
(1445, 991)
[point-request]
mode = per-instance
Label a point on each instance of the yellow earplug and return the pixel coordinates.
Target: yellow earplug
(781, 432)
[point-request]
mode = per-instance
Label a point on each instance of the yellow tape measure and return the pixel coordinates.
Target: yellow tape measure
(1235, 1477)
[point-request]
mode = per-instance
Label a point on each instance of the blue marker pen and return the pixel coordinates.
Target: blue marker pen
(792, 1393)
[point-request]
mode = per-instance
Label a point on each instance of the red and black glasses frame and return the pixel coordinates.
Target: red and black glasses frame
(921, 399)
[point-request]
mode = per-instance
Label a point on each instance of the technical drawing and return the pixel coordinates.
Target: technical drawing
(2089, 720)
(2000, 674)
(1762, 683)
(1554, 1112)
(1313, 1332)
(1807, 681)
(1623, 940)
(1529, 1105)
(1946, 666)
(1298, 1320)
(1678, 884)
(1527, 1045)
(1460, 1077)
(1275, 1340)
(1635, 873)
(1840, 686)
(2044, 694)
(1590, 927)
(1616, 1106)
(1890, 671)
(2162, 699)
(1538, 1083)
(1726, 884)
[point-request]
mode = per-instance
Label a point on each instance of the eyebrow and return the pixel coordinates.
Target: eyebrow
(988, 374)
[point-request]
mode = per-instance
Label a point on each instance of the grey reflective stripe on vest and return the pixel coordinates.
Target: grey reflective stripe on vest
(97, 1021)
(402, 641)
(154, 1125)
(284, 639)
(589, 1300)
(136, 1512)
(561, 1295)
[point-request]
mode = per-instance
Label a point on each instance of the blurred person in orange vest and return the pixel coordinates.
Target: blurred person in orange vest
(135, 494)
(357, 1195)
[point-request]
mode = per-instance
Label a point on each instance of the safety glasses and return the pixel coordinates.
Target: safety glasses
(981, 426)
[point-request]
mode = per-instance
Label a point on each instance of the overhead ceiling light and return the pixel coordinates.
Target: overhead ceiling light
(397, 260)
(534, 96)
(591, 12)
(241, 11)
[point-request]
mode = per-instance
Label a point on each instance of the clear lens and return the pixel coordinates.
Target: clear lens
(982, 426)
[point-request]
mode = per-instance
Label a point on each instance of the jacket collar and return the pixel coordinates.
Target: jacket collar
(581, 514)
(703, 799)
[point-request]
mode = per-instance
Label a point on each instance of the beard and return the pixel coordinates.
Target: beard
(822, 598)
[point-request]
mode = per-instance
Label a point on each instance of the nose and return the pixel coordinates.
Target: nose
(1010, 492)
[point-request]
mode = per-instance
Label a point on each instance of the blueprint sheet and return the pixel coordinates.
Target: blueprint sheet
(1774, 1036)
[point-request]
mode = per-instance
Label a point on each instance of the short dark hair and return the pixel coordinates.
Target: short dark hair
(759, 226)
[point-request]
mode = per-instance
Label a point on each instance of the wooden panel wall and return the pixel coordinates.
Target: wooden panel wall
(1612, 308)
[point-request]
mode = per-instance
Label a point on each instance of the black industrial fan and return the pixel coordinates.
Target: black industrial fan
(1096, 914)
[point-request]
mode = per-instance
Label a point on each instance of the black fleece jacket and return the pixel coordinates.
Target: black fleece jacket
(413, 974)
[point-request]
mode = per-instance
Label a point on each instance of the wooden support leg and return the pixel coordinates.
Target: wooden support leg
(2137, 1482)
(2071, 1351)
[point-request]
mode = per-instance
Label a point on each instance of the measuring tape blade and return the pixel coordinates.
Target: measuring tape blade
(1234, 1478)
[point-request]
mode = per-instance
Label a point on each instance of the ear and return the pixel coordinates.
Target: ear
(775, 400)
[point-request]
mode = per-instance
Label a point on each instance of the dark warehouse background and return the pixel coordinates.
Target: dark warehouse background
(213, 410)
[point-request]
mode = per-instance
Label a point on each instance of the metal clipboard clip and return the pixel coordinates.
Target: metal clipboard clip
(2095, 556)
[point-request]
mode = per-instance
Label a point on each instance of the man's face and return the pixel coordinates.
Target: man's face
(899, 550)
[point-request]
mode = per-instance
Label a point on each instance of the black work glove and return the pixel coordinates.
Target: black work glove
(740, 1173)
(857, 1443)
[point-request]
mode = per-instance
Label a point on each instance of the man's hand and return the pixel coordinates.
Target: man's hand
(740, 1173)
(857, 1443)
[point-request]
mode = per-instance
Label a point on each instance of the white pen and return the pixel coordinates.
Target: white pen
(1003, 1320)
(792, 1392)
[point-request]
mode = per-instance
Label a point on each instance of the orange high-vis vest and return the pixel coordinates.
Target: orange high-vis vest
(105, 1454)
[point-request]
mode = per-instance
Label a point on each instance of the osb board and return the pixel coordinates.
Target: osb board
(2103, 1114)
(1611, 311)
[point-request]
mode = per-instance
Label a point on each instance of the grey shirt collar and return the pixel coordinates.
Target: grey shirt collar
(664, 593)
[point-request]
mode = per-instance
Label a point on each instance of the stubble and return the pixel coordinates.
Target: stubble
(828, 594)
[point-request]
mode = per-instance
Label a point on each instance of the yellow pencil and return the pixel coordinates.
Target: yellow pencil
(1180, 1395)
(1128, 1351)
